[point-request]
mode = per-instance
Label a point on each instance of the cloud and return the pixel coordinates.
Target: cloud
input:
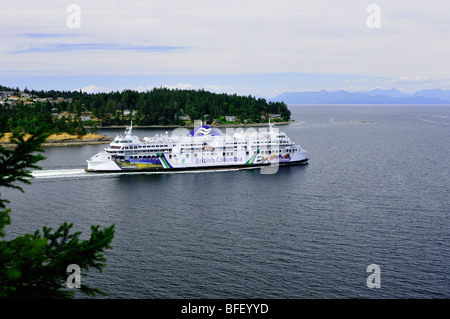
(94, 89)
(65, 47)
(46, 35)
(411, 79)
(405, 84)
(228, 37)
(239, 89)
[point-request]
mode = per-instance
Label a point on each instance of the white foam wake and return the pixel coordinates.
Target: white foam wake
(80, 172)
(58, 173)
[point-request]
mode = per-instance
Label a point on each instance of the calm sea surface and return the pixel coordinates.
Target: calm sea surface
(373, 193)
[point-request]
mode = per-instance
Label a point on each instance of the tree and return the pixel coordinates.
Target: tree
(35, 265)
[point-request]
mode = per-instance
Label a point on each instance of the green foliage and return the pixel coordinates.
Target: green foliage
(27, 117)
(35, 265)
(161, 106)
(16, 164)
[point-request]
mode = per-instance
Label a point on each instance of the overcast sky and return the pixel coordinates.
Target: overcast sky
(256, 47)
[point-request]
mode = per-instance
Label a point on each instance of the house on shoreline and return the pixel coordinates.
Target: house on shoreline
(13, 98)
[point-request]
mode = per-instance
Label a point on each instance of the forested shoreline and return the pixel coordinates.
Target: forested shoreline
(77, 112)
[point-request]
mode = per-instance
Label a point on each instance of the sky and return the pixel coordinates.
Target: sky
(256, 47)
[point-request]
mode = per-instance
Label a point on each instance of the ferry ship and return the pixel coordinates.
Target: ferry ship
(202, 148)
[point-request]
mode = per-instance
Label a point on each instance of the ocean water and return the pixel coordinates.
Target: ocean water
(375, 192)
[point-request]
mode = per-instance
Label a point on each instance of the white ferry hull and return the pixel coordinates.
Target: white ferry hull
(202, 149)
(111, 166)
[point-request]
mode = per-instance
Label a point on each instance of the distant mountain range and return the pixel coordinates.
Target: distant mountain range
(377, 96)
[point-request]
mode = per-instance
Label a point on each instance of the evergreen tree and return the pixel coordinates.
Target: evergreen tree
(35, 265)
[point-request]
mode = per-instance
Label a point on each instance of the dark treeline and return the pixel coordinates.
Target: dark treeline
(160, 106)
(27, 117)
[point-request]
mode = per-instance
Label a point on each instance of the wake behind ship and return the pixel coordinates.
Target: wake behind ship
(202, 148)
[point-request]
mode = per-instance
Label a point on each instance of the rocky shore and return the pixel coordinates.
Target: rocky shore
(65, 139)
